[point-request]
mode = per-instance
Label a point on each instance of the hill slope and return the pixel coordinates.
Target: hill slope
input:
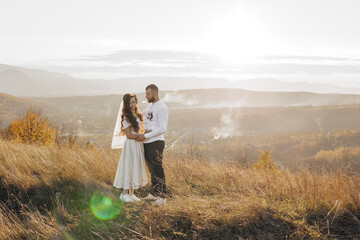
(203, 111)
(209, 98)
(21, 81)
(12, 107)
(47, 191)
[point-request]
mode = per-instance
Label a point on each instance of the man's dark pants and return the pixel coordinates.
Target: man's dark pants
(153, 157)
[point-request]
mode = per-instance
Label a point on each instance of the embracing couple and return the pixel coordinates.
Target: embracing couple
(140, 135)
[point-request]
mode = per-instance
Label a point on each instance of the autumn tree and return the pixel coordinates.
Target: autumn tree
(266, 162)
(33, 127)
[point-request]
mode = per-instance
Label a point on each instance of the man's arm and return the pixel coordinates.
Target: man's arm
(163, 119)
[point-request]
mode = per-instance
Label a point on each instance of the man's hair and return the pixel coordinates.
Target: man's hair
(153, 87)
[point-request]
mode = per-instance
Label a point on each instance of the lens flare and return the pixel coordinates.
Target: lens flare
(104, 208)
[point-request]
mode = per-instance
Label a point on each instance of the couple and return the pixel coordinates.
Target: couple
(138, 147)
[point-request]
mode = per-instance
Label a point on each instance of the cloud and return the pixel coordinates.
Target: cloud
(297, 69)
(308, 57)
(155, 57)
(155, 63)
(177, 62)
(138, 62)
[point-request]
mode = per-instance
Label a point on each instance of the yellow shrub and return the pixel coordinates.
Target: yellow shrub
(33, 128)
(266, 162)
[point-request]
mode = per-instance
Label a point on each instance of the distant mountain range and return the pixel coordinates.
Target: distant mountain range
(182, 99)
(21, 81)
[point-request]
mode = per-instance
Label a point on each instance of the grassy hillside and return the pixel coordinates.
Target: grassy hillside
(46, 194)
(12, 107)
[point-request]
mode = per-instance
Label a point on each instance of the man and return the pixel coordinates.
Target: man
(156, 117)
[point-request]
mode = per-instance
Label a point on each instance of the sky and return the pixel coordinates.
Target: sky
(289, 40)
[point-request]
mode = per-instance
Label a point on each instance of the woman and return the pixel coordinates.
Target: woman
(131, 172)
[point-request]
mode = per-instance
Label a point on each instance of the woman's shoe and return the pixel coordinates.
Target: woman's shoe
(135, 198)
(126, 198)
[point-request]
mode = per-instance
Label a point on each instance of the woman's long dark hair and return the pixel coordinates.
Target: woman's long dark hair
(126, 113)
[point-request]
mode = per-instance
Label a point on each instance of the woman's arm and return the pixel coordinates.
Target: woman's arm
(128, 133)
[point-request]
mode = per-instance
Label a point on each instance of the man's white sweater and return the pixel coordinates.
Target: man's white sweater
(156, 118)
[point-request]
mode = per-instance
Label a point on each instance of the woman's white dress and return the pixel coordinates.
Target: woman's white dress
(131, 171)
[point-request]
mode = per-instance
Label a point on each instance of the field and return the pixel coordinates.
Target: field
(46, 193)
(221, 183)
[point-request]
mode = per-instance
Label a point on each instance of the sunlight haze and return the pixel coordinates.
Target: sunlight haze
(290, 41)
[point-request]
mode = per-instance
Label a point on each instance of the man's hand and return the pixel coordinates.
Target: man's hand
(147, 131)
(140, 138)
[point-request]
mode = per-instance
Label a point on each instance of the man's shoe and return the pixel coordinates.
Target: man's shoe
(135, 198)
(150, 197)
(126, 198)
(160, 201)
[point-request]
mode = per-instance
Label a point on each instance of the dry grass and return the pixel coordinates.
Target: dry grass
(27, 165)
(206, 199)
(223, 201)
(27, 225)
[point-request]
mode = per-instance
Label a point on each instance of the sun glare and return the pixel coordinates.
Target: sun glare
(238, 36)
